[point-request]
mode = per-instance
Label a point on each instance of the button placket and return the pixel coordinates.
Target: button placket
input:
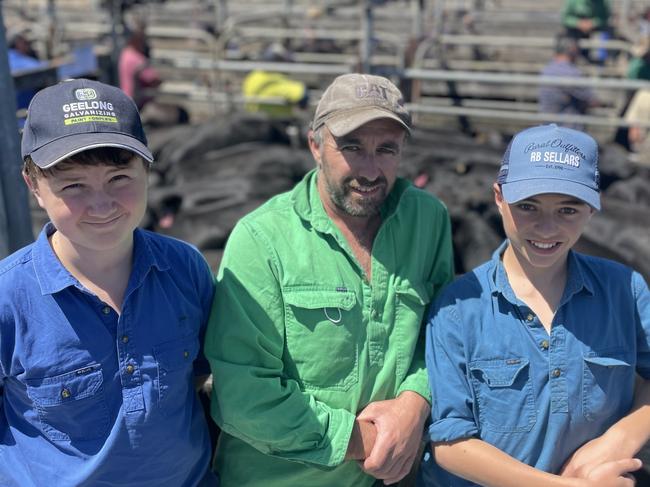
(557, 370)
(132, 392)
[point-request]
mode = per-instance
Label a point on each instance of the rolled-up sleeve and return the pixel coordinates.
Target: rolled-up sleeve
(452, 400)
(253, 398)
(642, 303)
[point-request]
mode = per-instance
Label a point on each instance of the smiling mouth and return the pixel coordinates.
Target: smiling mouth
(544, 245)
(366, 189)
(105, 222)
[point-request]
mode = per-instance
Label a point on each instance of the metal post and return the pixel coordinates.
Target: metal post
(221, 7)
(417, 14)
(438, 17)
(366, 41)
(15, 220)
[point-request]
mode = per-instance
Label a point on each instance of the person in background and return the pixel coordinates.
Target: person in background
(140, 80)
(101, 323)
(273, 93)
(322, 293)
(584, 19)
(566, 100)
(638, 114)
(533, 356)
(22, 57)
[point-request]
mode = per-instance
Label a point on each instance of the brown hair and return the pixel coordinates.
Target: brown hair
(100, 156)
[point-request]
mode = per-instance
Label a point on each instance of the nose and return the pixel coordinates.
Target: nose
(546, 225)
(101, 204)
(369, 166)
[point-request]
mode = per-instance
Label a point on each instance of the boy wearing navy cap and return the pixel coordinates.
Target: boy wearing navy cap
(532, 356)
(100, 321)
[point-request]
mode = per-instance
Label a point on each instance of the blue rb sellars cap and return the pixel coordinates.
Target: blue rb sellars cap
(77, 115)
(551, 159)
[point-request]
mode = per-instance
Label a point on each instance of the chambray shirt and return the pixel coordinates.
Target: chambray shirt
(93, 398)
(497, 375)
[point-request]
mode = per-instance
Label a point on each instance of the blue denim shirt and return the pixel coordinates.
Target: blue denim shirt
(497, 375)
(93, 398)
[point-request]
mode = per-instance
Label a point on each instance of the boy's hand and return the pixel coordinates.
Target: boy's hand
(614, 474)
(591, 455)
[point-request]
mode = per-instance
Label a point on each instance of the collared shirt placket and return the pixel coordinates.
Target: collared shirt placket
(377, 329)
(130, 374)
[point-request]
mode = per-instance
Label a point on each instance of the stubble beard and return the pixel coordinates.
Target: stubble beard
(341, 196)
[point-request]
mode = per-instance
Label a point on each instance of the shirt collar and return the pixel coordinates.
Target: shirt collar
(53, 277)
(309, 206)
(577, 279)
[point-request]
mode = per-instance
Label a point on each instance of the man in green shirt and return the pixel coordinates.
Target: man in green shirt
(583, 18)
(315, 340)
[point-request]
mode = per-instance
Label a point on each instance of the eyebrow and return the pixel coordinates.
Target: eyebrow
(354, 140)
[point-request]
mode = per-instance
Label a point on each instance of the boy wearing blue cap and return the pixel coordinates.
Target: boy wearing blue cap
(532, 356)
(100, 322)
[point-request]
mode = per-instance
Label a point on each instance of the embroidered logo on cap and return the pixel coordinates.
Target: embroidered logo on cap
(88, 109)
(568, 155)
(85, 94)
(372, 90)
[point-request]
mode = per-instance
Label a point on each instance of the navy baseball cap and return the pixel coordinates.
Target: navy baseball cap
(77, 115)
(551, 159)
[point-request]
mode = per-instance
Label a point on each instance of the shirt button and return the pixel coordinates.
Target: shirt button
(65, 393)
(530, 317)
(544, 344)
(186, 353)
(125, 339)
(106, 310)
(556, 372)
(130, 369)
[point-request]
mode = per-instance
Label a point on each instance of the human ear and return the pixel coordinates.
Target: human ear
(33, 187)
(498, 195)
(314, 147)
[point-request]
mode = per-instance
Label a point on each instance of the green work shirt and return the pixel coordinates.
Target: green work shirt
(299, 341)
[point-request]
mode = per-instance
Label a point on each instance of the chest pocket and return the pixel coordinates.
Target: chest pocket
(175, 361)
(410, 307)
(322, 332)
(71, 406)
(607, 384)
(504, 394)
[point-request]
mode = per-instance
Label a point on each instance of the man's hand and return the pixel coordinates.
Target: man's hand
(400, 424)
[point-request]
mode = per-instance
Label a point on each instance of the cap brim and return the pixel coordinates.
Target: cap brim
(346, 121)
(65, 147)
(519, 190)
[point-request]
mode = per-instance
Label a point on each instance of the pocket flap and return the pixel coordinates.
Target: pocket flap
(607, 361)
(177, 353)
(316, 299)
(499, 373)
(72, 386)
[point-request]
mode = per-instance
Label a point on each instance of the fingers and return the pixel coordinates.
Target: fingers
(617, 468)
(399, 472)
(387, 464)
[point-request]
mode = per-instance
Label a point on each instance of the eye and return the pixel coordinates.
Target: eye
(567, 210)
(349, 148)
(391, 151)
(120, 178)
(525, 207)
(72, 187)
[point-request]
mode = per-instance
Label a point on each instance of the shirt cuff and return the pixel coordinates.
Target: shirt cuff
(417, 382)
(452, 429)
